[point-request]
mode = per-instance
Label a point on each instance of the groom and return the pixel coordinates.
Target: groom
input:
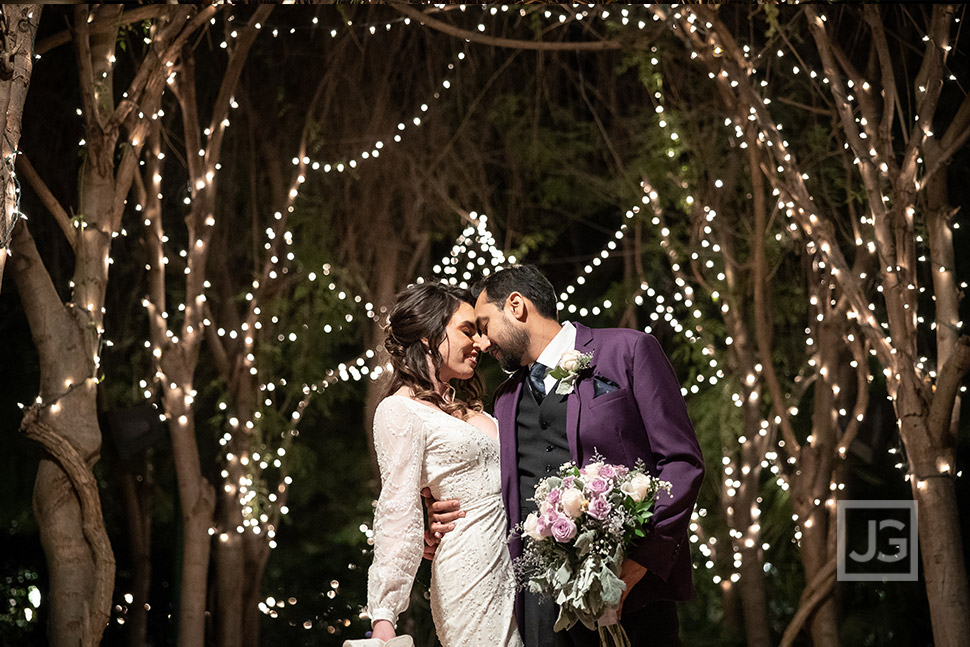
(626, 406)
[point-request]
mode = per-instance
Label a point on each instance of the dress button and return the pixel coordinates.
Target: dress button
(549, 448)
(548, 469)
(544, 424)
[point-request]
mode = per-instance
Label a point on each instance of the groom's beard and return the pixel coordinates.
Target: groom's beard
(512, 349)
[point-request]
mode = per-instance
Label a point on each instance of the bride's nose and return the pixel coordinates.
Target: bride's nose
(481, 342)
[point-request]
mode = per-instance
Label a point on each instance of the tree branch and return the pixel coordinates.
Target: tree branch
(40, 188)
(814, 594)
(172, 39)
(947, 387)
(45, 312)
(866, 165)
(762, 324)
(137, 14)
(881, 46)
(217, 348)
(862, 395)
(458, 32)
(237, 59)
(82, 45)
(469, 113)
(805, 210)
(956, 135)
(147, 192)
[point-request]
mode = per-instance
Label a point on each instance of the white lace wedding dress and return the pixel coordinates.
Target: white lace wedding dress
(472, 587)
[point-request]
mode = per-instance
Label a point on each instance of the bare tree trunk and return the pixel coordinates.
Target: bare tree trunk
(230, 584)
(18, 29)
(729, 602)
(197, 499)
(931, 459)
(67, 339)
(257, 554)
(744, 511)
(385, 281)
(939, 223)
(810, 483)
(66, 416)
(137, 491)
(751, 585)
(177, 355)
(384, 247)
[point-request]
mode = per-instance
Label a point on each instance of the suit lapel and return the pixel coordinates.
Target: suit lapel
(582, 392)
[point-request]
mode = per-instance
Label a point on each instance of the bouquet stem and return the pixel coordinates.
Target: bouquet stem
(614, 636)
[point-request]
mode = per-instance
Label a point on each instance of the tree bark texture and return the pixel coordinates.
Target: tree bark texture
(137, 491)
(64, 421)
(18, 29)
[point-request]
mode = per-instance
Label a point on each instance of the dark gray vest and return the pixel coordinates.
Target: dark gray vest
(541, 441)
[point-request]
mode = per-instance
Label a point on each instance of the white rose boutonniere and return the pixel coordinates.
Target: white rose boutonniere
(570, 365)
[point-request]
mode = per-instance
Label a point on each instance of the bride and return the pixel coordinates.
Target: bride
(425, 437)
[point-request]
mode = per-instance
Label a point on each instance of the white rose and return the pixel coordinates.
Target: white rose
(544, 507)
(592, 470)
(636, 487)
(573, 502)
(531, 526)
(570, 360)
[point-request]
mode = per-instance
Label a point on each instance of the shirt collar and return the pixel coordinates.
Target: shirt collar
(564, 340)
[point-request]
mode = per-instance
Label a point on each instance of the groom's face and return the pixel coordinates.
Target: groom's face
(500, 335)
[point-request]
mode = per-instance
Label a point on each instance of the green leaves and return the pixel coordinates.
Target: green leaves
(612, 587)
(584, 542)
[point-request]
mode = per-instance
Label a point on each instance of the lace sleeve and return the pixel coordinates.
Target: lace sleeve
(399, 441)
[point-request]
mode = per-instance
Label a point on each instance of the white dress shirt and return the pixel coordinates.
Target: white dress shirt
(564, 340)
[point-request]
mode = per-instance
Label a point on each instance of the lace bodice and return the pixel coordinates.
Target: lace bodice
(420, 446)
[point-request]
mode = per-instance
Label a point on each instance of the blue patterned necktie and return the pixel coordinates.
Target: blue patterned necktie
(537, 375)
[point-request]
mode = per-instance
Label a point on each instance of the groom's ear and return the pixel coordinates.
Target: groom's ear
(516, 304)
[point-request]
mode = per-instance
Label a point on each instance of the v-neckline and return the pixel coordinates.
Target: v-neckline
(445, 413)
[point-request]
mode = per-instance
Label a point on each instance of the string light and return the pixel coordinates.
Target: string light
(454, 273)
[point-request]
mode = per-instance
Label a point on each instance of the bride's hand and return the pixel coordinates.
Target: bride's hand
(430, 545)
(442, 516)
(383, 630)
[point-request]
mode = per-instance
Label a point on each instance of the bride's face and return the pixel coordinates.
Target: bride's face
(459, 352)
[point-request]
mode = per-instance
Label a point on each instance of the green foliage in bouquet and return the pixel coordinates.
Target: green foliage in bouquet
(576, 541)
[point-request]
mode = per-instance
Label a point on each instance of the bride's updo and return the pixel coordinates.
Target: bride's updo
(416, 326)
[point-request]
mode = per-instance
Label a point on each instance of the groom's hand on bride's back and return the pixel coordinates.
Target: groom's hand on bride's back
(441, 519)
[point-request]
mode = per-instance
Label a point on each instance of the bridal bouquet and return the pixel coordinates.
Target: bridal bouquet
(575, 544)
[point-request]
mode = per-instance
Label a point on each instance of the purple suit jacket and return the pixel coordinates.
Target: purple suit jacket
(644, 418)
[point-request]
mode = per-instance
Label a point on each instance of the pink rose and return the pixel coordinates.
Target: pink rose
(599, 485)
(563, 529)
(599, 507)
(544, 525)
(554, 496)
(608, 471)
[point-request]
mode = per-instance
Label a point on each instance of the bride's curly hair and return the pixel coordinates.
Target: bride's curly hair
(422, 312)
